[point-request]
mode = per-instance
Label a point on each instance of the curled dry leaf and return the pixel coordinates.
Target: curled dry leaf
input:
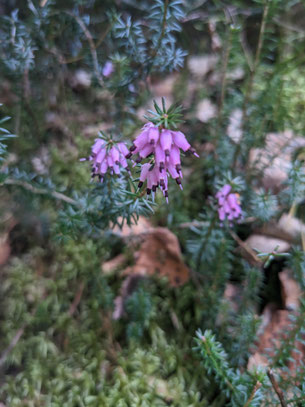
(277, 326)
(160, 253)
(267, 244)
(291, 291)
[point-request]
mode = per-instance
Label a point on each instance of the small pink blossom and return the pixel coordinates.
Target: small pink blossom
(228, 204)
(108, 69)
(106, 158)
(164, 145)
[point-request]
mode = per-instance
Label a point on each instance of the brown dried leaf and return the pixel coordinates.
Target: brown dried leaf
(275, 328)
(267, 244)
(160, 253)
(291, 291)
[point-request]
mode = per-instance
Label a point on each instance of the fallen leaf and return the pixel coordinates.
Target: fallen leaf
(291, 291)
(200, 65)
(267, 244)
(275, 326)
(206, 110)
(160, 253)
(277, 329)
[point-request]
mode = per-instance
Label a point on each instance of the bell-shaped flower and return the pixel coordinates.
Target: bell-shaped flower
(107, 157)
(228, 204)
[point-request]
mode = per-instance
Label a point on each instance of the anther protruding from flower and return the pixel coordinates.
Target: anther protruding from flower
(228, 204)
(106, 157)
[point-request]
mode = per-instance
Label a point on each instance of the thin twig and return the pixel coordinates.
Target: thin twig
(276, 388)
(12, 344)
(246, 247)
(17, 336)
(256, 387)
(163, 24)
(227, 50)
(196, 223)
(77, 298)
(91, 46)
(155, 51)
(34, 190)
(252, 75)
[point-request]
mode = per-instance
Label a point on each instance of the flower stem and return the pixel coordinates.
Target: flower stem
(256, 387)
(278, 391)
(252, 75)
(34, 190)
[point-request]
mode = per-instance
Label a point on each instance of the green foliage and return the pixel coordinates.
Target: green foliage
(235, 385)
(4, 136)
(56, 304)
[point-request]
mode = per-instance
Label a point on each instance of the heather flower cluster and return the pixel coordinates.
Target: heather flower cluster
(164, 146)
(156, 142)
(228, 204)
(107, 156)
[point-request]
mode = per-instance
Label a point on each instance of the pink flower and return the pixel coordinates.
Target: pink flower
(106, 158)
(108, 69)
(155, 178)
(228, 204)
(164, 145)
